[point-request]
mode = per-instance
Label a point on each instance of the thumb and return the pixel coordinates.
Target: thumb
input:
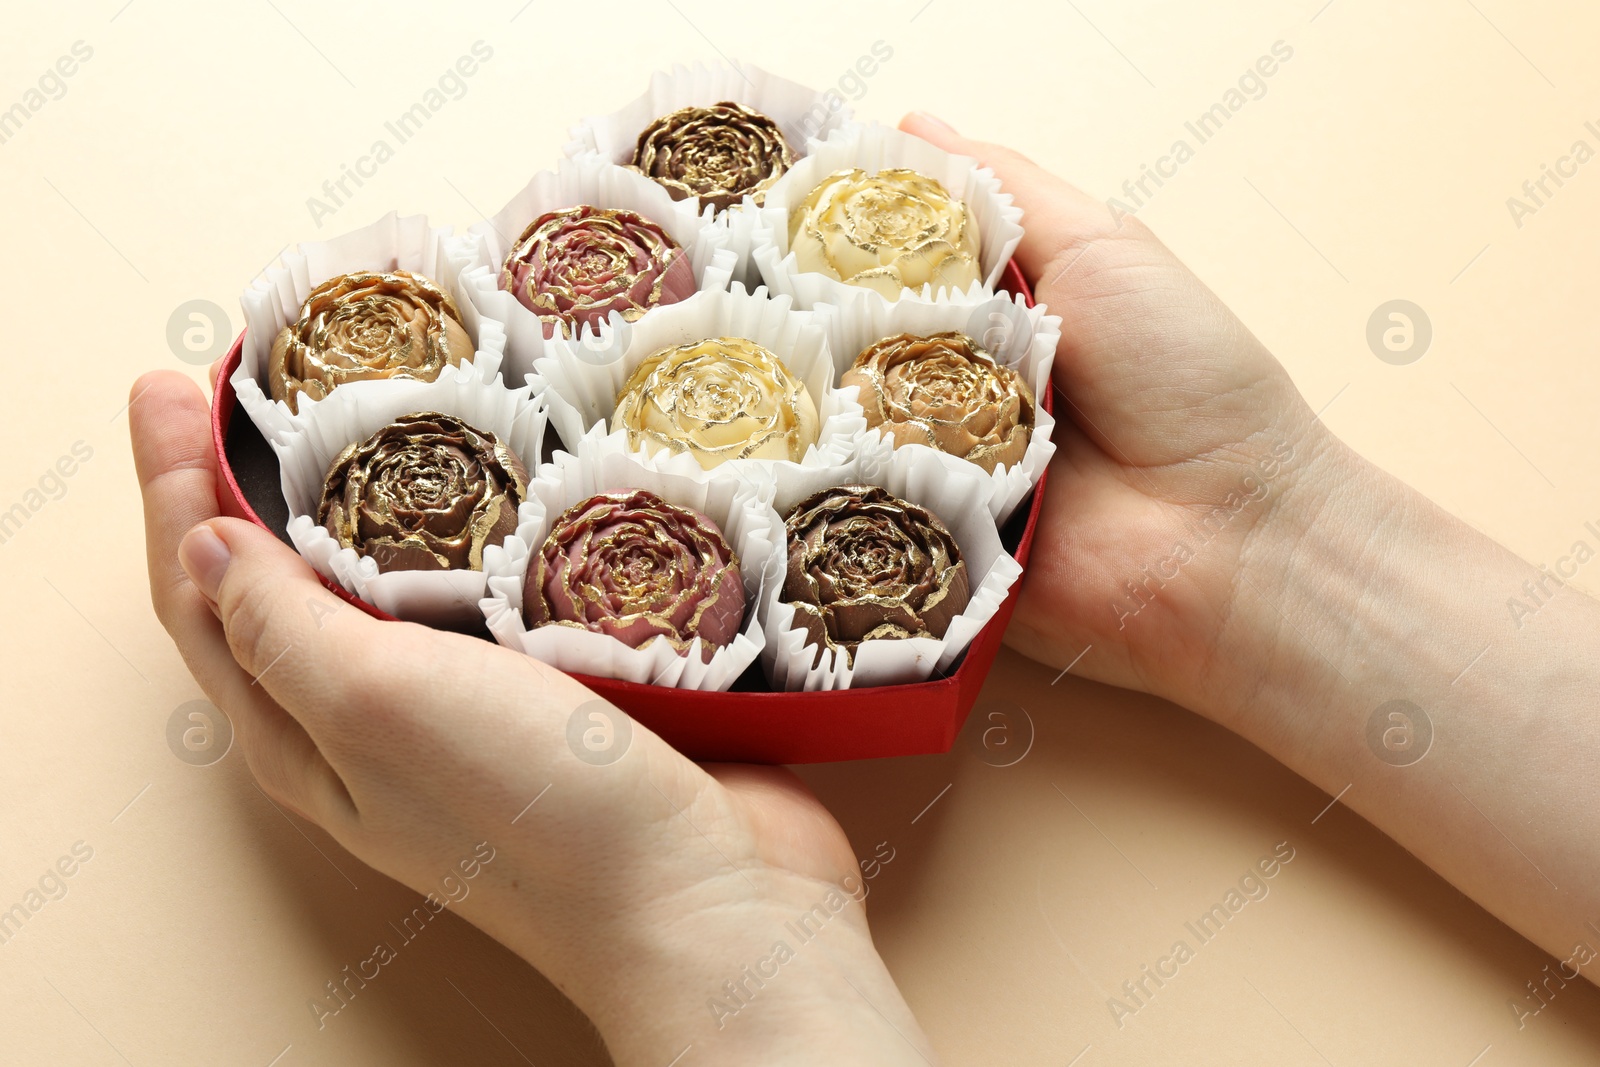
(283, 626)
(1153, 366)
(1060, 219)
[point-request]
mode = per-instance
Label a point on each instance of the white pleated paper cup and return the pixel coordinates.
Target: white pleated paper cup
(959, 498)
(873, 148)
(604, 465)
(273, 301)
(802, 113)
(582, 385)
(1017, 336)
(592, 181)
(517, 417)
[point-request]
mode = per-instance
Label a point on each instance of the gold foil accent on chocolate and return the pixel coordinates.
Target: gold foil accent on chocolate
(718, 399)
(864, 565)
(945, 391)
(890, 231)
(364, 326)
(632, 566)
(577, 265)
(717, 154)
(427, 492)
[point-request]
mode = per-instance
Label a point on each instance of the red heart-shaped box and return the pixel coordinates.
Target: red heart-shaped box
(747, 725)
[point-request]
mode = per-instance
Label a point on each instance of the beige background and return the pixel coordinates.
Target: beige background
(1377, 165)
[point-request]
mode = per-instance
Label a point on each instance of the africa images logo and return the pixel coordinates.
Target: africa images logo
(1399, 733)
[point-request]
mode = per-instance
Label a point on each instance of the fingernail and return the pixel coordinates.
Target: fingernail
(204, 558)
(935, 120)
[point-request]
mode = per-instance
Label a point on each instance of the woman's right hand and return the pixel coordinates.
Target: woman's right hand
(1178, 436)
(1205, 538)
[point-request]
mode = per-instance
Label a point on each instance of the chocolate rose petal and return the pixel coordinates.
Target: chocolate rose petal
(864, 564)
(850, 621)
(634, 567)
(559, 597)
(717, 154)
(426, 492)
(947, 601)
(364, 326)
(718, 399)
(948, 392)
(889, 631)
(723, 613)
(888, 231)
(575, 266)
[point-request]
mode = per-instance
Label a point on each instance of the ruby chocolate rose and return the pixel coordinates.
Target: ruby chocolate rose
(634, 567)
(427, 492)
(357, 327)
(864, 564)
(576, 266)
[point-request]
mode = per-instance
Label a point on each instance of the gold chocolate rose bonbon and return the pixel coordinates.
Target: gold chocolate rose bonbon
(426, 492)
(575, 266)
(363, 326)
(717, 399)
(947, 392)
(893, 230)
(636, 567)
(864, 565)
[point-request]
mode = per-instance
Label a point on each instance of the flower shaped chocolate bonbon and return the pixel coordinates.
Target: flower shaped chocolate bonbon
(719, 154)
(363, 326)
(575, 266)
(945, 391)
(893, 230)
(718, 399)
(427, 492)
(864, 564)
(634, 567)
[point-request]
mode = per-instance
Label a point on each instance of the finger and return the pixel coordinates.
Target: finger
(1059, 218)
(1154, 367)
(316, 656)
(382, 699)
(177, 466)
(212, 374)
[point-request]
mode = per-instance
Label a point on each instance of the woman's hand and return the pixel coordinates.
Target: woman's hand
(639, 887)
(1177, 436)
(1217, 546)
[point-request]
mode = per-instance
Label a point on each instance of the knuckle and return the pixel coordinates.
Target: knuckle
(1135, 229)
(247, 614)
(176, 602)
(1005, 156)
(163, 591)
(180, 457)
